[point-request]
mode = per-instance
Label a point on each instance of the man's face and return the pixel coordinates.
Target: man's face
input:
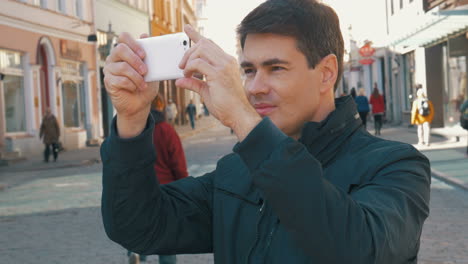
(279, 83)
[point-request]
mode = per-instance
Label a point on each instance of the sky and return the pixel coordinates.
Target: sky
(367, 18)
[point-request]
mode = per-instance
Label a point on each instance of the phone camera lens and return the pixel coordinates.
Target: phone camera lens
(185, 43)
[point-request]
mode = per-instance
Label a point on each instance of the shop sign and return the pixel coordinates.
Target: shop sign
(70, 50)
(366, 52)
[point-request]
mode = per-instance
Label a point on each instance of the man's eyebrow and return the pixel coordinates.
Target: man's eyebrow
(274, 61)
(246, 64)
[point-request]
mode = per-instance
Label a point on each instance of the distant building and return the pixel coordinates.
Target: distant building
(170, 16)
(429, 44)
(112, 18)
(47, 60)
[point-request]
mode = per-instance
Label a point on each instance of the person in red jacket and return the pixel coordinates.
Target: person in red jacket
(378, 109)
(170, 164)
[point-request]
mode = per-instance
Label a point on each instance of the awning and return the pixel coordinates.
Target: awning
(441, 25)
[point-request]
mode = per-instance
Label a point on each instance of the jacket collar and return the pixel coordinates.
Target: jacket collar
(324, 139)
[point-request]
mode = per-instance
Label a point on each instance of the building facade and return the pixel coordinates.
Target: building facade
(112, 18)
(47, 62)
(432, 52)
(170, 16)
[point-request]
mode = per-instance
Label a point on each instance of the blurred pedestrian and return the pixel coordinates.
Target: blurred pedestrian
(191, 111)
(205, 109)
(378, 109)
(171, 112)
(422, 113)
(50, 133)
(362, 106)
(353, 93)
(170, 164)
(464, 118)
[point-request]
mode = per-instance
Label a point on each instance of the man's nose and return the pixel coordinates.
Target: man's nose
(258, 85)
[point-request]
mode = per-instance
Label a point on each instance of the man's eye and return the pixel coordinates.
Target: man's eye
(248, 71)
(277, 68)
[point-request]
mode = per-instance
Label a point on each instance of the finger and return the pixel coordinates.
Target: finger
(115, 83)
(122, 52)
(125, 70)
(205, 49)
(192, 33)
(132, 44)
(144, 35)
(191, 84)
(198, 66)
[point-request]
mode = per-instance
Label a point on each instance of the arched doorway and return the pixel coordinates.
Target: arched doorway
(46, 61)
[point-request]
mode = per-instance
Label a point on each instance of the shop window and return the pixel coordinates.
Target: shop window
(72, 94)
(13, 91)
(13, 94)
(72, 104)
(456, 92)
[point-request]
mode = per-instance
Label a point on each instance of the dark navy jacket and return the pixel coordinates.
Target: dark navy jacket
(338, 195)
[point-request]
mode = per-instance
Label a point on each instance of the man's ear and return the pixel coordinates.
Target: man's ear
(329, 72)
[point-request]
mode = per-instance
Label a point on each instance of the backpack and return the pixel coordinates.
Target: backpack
(464, 116)
(423, 108)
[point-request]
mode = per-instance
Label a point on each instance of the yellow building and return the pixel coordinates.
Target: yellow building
(170, 16)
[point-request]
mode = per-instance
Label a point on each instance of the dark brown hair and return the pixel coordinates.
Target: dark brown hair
(314, 25)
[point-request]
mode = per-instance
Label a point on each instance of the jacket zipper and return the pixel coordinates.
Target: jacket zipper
(257, 235)
(270, 236)
(238, 196)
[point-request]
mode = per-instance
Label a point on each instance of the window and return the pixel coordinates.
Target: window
(44, 3)
(71, 104)
(13, 91)
(401, 4)
(61, 6)
(72, 94)
(392, 9)
(79, 8)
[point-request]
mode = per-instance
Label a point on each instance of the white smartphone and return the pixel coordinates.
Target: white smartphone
(163, 55)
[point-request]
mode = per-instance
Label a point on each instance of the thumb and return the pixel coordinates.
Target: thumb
(191, 84)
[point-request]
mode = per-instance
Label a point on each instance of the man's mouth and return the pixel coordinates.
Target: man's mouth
(264, 109)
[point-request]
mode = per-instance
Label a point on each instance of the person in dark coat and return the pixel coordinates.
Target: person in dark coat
(191, 111)
(362, 106)
(50, 133)
(306, 183)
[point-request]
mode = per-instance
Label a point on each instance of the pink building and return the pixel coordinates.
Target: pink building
(46, 61)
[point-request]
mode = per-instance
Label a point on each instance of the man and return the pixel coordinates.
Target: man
(50, 133)
(171, 112)
(191, 111)
(305, 184)
(422, 114)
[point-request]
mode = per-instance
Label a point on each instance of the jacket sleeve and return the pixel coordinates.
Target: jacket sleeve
(379, 221)
(143, 216)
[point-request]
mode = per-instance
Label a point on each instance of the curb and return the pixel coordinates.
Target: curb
(449, 179)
